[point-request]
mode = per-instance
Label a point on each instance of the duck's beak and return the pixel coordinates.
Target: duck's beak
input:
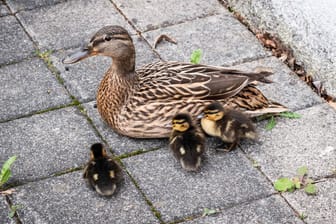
(78, 55)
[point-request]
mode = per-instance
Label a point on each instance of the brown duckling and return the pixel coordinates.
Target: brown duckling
(102, 172)
(229, 125)
(186, 142)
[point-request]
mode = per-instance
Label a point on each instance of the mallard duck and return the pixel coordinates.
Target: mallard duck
(102, 172)
(141, 103)
(186, 142)
(227, 124)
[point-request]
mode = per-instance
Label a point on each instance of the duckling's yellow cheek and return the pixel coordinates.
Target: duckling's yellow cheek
(112, 175)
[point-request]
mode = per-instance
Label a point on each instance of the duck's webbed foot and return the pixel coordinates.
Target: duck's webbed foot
(225, 148)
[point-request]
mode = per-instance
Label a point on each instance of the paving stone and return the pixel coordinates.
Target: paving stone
(225, 179)
(147, 16)
(223, 40)
(82, 79)
(18, 5)
(120, 144)
(286, 88)
(269, 210)
(4, 210)
(69, 200)
(46, 143)
(3, 9)
(67, 24)
(15, 45)
(320, 208)
(28, 87)
(292, 143)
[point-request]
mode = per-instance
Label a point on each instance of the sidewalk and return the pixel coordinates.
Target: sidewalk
(48, 119)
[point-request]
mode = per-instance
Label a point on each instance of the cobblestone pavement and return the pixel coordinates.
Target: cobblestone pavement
(48, 119)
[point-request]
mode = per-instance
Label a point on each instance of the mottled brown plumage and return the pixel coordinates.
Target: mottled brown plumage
(141, 103)
(186, 142)
(229, 125)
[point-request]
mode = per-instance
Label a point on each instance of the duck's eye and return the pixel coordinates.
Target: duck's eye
(107, 38)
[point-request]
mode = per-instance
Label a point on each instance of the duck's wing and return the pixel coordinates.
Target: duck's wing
(177, 80)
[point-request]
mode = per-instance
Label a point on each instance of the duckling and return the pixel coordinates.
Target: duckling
(186, 142)
(127, 97)
(102, 172)
(229, 125)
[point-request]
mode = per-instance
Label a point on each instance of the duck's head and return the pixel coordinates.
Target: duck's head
(97, 151)
(111, 41)
(214, 112)
(181, 122)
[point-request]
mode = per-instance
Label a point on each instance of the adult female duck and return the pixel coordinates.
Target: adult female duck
(141, 103)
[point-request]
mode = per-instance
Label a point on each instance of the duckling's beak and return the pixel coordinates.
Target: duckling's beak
(78, 55)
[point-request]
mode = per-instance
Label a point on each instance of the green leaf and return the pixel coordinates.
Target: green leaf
(309, 181)
(5, 170)
(207, 211)
(297, 182)
(271, 124)
(284, 184)
(11, 214)
(289, 114)
(302, 216)
(302, 171)
(195, 57)
(4, 178)
(310, 189)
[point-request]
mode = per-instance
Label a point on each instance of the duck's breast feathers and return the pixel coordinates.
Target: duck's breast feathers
(176, 80)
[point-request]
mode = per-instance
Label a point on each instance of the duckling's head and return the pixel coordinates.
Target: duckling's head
(214, 111)
(181, 122)
(111, 41)
(97, 151)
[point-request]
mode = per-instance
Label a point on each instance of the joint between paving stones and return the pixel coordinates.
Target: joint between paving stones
(155, 212)
(136, 152)
(39, 112)
(15, 216)
(269, 180)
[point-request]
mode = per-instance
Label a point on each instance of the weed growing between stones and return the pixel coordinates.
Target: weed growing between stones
(300, 181)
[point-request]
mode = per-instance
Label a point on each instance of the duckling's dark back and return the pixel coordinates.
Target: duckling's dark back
(188, 147)
(102, 172)
(239, 122)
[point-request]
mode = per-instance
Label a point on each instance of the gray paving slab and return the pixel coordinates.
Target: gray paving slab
(146, 15)
(225, 179)
(223, 40)
(3, 9)
(67, 199)
(320, 208)
(4, 211)
(46, 143)
(293, 143)
(68, 24)
(82, 79)
(18, 5)
(120, 144)
(15, 45)
(28, 87)
(269, 210)
(307, 26)
(286, 88)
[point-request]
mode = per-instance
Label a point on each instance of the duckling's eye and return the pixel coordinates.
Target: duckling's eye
(107, 38)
